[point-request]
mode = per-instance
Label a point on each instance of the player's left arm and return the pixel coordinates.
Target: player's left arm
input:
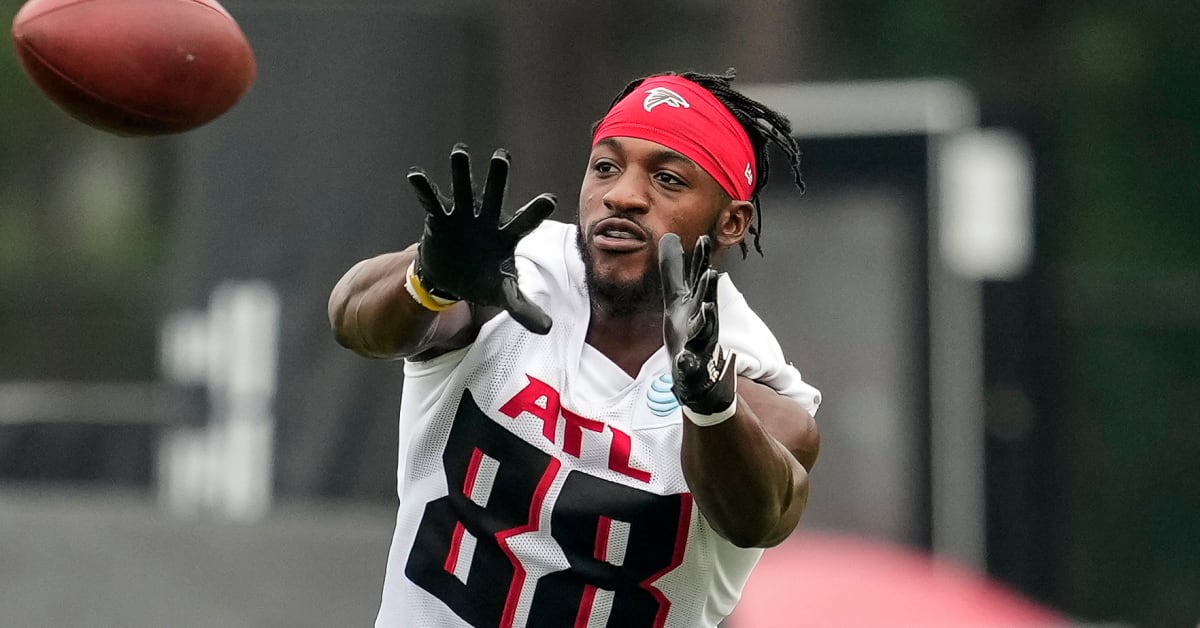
(747, 450)
(750, 474)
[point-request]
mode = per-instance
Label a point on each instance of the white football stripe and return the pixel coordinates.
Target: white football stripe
(485, 478)
(618, 542)
(466, 552)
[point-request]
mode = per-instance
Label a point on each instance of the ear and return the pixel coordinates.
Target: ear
(734, 223)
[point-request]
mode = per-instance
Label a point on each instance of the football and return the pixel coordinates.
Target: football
(135, 67)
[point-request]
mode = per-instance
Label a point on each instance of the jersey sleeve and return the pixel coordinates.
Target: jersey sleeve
(759, 356)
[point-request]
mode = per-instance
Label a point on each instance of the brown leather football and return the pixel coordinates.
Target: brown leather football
(135, 67)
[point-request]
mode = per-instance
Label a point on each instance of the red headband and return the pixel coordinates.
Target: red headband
(686, 117)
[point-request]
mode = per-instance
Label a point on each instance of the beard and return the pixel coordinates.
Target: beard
(640, 296)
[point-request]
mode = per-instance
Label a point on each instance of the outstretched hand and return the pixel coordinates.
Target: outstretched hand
(704, 380)
(465, 253)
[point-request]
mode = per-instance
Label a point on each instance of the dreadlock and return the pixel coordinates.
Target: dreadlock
(763, 125)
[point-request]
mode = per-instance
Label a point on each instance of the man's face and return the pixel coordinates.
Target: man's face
(633, 193)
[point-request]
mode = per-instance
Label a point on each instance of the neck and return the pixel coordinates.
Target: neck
(628, 339)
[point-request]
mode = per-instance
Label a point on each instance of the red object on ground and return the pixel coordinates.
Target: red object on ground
(829, 580)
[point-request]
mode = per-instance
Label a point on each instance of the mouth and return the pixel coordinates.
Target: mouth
(618, 235)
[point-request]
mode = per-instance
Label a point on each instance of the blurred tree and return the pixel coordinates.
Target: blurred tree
(82, 216)
(1130, 275)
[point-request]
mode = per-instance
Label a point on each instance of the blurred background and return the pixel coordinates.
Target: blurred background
(182, 443)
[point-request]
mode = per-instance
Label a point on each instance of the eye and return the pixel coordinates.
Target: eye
(603, 167)
(670, 179)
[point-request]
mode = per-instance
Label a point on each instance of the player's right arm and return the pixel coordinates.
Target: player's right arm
(372, 313)
(433, 297)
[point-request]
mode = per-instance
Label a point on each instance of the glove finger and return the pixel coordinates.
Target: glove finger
(700, 256)
(670, 268)
(688, 375)
(704, 328)
(706, 291)
(529, 217)
(460, 177)
(703, 335)
(427, 192)
(524, 311)
(493, 188)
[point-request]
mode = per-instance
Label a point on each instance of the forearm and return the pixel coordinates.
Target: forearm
(372, 313)
(749, 486)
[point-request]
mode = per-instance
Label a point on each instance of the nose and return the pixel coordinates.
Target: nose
(628, 193)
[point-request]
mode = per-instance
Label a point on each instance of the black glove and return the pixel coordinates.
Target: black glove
(705, 379)
(465, 253)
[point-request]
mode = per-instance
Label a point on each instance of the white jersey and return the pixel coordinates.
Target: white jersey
(540, 485)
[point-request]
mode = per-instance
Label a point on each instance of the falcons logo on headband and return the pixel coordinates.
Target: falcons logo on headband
(662, 96)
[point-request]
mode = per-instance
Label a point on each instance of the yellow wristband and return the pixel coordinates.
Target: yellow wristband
(421, 295)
